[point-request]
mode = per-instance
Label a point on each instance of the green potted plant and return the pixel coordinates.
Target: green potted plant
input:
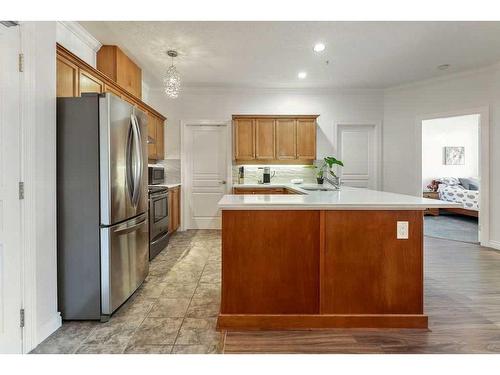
(328, 164)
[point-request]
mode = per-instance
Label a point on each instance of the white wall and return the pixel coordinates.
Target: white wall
(401, 132)
(220, 104)
(450, 131)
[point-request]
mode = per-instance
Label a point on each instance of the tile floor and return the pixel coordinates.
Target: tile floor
(174, 311)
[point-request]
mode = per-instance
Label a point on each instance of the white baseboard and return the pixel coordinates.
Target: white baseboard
(48, 328)
(494, 244)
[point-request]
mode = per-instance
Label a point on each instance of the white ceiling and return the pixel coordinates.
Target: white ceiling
(270, 54)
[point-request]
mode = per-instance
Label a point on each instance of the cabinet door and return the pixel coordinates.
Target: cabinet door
(264, 139)
(152, 155)
(306, 139)
(286, 139)
(89, 83)
(67, 78)
(362, 257)
(244, 139)
(160, 138)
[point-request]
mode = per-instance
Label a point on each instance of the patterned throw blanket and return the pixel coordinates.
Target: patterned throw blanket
(469, 199)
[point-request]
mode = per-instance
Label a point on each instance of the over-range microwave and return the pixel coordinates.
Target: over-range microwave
(156, 175)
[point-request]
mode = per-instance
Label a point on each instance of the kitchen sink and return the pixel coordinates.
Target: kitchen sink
(318, 189)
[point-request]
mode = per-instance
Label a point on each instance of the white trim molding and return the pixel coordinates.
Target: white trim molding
(81, 33)
(78, 40)
(494, 244)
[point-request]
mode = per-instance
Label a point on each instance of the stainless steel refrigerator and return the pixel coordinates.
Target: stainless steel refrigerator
(102, 227)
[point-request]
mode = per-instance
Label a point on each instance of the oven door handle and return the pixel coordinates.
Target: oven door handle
(159, 196)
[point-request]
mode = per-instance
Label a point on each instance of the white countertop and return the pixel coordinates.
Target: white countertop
(347, 198)
(170, 186)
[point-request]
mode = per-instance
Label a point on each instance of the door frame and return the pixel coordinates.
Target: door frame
(185, 150)
(484, 164)
(377, 124)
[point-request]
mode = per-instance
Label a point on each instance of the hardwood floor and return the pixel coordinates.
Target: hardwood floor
(462, 299)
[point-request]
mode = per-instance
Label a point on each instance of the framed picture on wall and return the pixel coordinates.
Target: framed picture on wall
(454, 155)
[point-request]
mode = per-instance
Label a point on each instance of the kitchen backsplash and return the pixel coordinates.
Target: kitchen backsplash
(172, 170)
(284, 173)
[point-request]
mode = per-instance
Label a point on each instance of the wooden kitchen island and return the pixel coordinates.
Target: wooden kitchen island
(322, 260)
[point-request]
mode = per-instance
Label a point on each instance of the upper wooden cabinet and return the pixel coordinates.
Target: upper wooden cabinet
(156, 140)
(306, 139)
(274, 139)
(67, 78)
(244, 139)
(286, 139)
(89, 83)
(75, 76)
(120, 68)
(264, 138)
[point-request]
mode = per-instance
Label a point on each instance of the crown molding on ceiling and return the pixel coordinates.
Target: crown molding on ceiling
(203, 90)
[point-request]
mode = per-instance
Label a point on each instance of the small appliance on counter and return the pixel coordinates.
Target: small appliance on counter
(266, 176)
(241, 175)
(156, 175)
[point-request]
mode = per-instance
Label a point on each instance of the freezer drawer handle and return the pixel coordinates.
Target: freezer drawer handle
(129, 229)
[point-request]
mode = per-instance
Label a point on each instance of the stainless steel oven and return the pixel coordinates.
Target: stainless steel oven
(156, 175)
(158, 220)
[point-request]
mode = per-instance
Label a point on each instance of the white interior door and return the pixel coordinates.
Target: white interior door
(206, 181)
(357, 148)
(10, 249)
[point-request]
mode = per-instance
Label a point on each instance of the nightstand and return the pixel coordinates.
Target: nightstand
(431, 195)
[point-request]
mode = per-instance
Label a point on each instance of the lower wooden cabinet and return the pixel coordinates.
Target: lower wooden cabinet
(174, 208)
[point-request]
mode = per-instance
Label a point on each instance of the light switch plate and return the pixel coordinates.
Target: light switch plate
(402, 230)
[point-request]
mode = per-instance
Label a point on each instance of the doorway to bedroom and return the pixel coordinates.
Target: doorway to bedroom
(451, 172)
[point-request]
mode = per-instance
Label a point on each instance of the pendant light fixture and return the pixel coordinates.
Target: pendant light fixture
(172, 80)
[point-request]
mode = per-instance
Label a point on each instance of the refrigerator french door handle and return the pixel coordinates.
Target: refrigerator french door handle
(140, 158)
(128, 168)
(138, 161)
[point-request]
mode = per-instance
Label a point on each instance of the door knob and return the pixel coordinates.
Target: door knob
(223, 182)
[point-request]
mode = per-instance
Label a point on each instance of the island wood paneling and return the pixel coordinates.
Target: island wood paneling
(284, 269)
(268, 265)
(366, 269)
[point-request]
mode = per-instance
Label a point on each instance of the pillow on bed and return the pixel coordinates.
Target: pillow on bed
(470, 183)
(450, 181)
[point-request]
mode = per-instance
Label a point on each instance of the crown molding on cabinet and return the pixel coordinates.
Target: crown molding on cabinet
(81, 33)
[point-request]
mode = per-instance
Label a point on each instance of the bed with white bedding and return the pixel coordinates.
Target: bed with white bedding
(452, 189)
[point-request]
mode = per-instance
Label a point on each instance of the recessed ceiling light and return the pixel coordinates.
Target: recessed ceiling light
(302, 75)
(319, 47)
(444, 66)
